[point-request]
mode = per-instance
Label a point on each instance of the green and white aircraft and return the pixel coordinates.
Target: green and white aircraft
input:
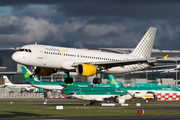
(114, 92)
(52, 85)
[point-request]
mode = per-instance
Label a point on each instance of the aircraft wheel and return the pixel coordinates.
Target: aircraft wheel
(95, 80)
(68, 80)
(99, 81)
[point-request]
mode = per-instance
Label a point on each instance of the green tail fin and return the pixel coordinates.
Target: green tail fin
(27, 74)
(113, 81)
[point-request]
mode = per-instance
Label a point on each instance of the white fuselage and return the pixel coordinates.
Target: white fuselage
(49, 87)
(20, 86)
(63, 58)
(99, 97)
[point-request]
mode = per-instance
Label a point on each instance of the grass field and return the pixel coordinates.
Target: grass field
(81, 105)
(52, 112)
(32, 112)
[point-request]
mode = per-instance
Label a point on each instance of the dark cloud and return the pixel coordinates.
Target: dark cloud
(90, 23)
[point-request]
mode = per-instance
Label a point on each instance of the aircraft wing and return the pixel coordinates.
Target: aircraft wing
(169, 59)
(109, 64)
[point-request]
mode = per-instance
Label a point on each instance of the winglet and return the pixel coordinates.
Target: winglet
(165, 57)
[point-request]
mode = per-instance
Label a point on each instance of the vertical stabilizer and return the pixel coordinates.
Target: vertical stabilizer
(6, 80)
(113, 81)
(144, 48)
(27, 74)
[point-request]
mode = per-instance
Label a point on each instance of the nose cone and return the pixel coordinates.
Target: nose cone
(15, 57)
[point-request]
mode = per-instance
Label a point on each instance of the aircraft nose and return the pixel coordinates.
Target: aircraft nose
(15, 57)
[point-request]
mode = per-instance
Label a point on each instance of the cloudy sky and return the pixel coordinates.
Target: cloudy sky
(89, 23)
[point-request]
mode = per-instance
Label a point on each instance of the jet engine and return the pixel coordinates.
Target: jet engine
(86, 70)
(120, 100)
(44, 71)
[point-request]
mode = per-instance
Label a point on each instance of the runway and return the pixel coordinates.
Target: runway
(73, 101)
(165, 117)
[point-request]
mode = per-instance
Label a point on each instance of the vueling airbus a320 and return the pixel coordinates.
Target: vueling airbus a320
(45, 60)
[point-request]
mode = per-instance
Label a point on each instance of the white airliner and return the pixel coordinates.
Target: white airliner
(101, 98)
(10, 85)
(45, 60)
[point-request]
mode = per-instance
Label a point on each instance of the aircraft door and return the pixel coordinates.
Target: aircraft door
(40, 53)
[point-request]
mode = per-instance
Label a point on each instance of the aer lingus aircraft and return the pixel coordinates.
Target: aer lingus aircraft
(51, 85)
(45, 60)
(115, 92)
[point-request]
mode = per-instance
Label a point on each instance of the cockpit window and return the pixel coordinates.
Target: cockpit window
(26, 50)
(21, 49)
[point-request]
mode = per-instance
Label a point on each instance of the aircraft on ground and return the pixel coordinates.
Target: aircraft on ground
(46, 60)
(114, 92)
(145, 90)
(10, 85)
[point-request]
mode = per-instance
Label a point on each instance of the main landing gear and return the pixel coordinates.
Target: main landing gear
(92, 102)
(97, 80)
(68, 79)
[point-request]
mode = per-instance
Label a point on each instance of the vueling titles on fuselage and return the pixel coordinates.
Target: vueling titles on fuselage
(47, 59)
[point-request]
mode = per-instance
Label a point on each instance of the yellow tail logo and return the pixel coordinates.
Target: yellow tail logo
(165, 57)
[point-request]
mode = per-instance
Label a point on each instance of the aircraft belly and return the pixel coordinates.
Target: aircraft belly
(48, 87)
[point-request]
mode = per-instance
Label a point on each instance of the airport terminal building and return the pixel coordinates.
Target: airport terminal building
(165, 73)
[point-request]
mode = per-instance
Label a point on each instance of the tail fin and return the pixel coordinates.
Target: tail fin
(113, 81)
(6, 80)
(144, 48)
(27, 74)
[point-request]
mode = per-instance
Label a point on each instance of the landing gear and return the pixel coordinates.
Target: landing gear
(92, 102)
(68, 79)
(97, 81)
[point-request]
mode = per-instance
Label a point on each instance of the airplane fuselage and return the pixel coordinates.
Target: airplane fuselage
(63, 58)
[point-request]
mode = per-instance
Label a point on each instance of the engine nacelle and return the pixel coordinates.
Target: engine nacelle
(44, 71)
(86, 70)
(120, 100)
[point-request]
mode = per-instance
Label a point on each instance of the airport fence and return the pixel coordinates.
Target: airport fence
(55, 95)
(21, 95)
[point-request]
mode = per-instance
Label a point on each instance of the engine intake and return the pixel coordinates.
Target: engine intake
(86, 70)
